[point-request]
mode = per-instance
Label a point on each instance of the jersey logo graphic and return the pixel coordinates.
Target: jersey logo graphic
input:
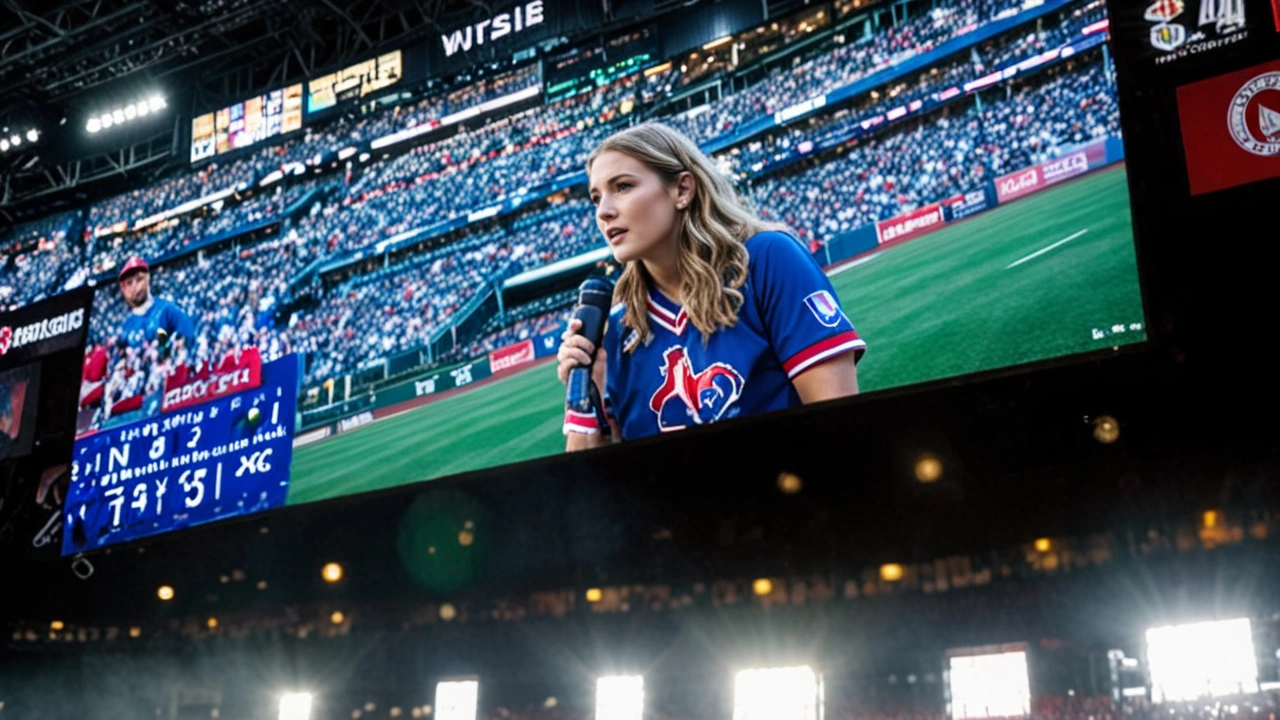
(825, 308)
(693, 398)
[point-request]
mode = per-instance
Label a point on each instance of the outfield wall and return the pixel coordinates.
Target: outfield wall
(1001, 190)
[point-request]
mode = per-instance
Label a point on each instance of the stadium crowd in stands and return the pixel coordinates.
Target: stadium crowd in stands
(36, 258)
(944, 154)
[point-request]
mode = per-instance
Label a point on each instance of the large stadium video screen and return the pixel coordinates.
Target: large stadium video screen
(956, 206)
(246, 123)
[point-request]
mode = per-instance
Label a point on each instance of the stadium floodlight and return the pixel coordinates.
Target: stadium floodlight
(4, 145)
(1205, 659)
(620, 697)
(295, 706)
(457, 699)
(789, 693)
(126, 113)
(33, 135)
(990, 685)
(15, 140)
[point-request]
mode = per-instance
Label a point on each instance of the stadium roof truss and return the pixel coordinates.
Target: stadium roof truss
(52, 52)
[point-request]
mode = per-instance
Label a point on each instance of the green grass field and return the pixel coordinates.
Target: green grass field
(974, 296)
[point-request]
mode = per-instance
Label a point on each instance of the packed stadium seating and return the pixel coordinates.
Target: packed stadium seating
(36, 257)
(946, 153)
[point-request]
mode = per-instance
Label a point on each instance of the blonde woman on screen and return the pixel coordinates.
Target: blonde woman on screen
(718, 314)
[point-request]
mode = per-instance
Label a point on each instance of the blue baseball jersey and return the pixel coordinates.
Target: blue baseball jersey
(790, 320)
(162, 314)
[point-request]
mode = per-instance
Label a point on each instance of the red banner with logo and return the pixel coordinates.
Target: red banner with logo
(236, 373)
(1231, 128)
(511, 356)
(912, 224)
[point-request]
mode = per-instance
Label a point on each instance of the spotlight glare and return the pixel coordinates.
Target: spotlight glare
(33, 135)
(1043, 545)
(130, 111)
(457, 699)
(620, 697)
(337, 617)
(928, 468)
(891, 572)
(106, 120)
(989, 685)
(448, 612)
(1188, 662)
(332, 572)
(118, 116)
(165, 592)
(789, 483)
(790, 693)
(4, 145)
(1106, 429)
(762, 586)
(143, 109)
(157, 103)
(56, 625)
(594, 595)
(16, 140)
(212, 622)
(295, 706)
(135, 632)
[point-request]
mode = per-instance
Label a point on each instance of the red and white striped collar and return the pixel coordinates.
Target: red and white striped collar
(667, 314)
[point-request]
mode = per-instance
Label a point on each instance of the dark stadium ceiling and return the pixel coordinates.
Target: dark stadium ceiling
(60, 57)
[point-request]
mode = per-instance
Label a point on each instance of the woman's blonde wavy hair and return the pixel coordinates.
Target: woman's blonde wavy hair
(713, 229)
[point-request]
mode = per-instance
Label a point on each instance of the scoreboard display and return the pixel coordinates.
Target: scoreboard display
(354, 81)
(246, 123)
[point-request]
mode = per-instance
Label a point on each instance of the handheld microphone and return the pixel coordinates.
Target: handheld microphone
(594, 297)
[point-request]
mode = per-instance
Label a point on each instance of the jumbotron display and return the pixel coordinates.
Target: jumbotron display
(955, 201)
(246, 123)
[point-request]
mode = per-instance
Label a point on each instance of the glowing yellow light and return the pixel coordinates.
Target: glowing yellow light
(1043, 545)
(332, 572)
(1106, 430)
(56, 625)
(1211, 518)
(928, 468)
(891, 572)
(262, 584)
(165, 592)
(396, 712)
(135, 632)
(594, 595)
(448, 612)
(762, 586)
(211, 622)
(465, 538)
(789, 483)
(337, 617)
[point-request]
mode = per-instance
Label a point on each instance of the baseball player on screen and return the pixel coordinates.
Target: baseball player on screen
(717, 314)
(150, 317)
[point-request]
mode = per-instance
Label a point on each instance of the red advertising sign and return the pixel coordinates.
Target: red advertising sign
(1015, 185)
(909, 225)
(1231, 128)
(1037, 177)
(511, 356)
(235, 374)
